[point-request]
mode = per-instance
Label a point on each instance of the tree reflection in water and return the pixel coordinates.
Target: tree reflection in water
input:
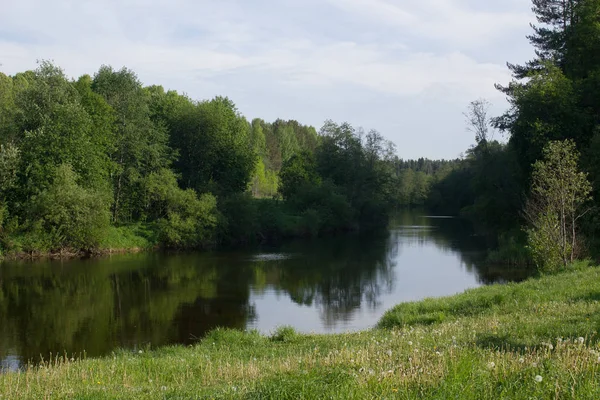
(130, 301)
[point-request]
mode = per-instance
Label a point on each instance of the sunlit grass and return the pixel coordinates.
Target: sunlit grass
(537, 340)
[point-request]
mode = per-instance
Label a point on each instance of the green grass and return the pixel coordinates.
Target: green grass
(487, 343)
(130, 237)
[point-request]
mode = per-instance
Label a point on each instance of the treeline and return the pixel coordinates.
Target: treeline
(530, 190)
(102, 162)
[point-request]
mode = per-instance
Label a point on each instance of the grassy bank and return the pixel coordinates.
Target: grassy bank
(536, 339)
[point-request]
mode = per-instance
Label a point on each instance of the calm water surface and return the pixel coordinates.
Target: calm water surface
(326, 285)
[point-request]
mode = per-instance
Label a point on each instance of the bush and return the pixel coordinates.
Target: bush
(73, 216)
(184, 220)
(239, 219)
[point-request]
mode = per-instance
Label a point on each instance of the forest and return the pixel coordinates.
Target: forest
(104, 162)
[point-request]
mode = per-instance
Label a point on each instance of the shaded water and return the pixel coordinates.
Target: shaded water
(326, 285)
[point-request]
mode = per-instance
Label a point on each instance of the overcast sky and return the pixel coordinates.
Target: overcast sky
(406, 68)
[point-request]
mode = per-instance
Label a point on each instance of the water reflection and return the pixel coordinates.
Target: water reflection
(130, 301)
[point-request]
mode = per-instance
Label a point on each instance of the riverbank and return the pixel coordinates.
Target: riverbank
(534, 339)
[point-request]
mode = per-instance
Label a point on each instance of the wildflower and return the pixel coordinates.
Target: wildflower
(437, 353)
(491, 365)
(521, 360)
(72, 359)
(140, 352)
(410, 343)
(395, 390)
(580, 340)
(538, 378)
(150, 380)
(534, 365)
(163, 388)
(389, 353)
(550, 346)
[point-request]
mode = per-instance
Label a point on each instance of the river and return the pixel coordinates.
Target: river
(346, 283)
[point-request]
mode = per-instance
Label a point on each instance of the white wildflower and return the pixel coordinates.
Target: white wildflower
(410, 343)
(521, 360)
(580, 340)
(389, 353)
(140, 351)
(491, 365)
(538, 378)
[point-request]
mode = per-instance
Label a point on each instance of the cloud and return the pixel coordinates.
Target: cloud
(446, 21)
(317, 55)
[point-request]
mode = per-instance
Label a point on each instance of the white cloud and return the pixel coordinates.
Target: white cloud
(403, 50)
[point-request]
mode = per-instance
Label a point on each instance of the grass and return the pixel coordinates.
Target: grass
(533, 340)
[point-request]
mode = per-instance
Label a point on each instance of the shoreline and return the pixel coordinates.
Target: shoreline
(490, 342)
(71, 254)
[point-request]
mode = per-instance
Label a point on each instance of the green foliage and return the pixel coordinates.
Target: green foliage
(56, 129)
(239, 219)
(512, 250)
(558, 195)
(183, 218)
(285, 334)
(163, 158)
(75, 217)
(9, 163)
(141, 145)
(213, 143)
(300, 170)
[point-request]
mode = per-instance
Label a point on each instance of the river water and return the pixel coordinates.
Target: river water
(338, 284)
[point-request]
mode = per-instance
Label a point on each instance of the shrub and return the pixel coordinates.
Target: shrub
(73, 216)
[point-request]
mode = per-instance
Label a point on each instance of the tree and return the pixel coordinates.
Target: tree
(184, 219)
(478, 121)
(558, 200)
(551, 39)
(54, 128)
(75, 217)
(298, 171)
(213, 139)
(141, 145)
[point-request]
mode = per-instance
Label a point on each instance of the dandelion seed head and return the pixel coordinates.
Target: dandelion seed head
(389, 353)
(538, 378)
(409, 343)
(521, 360)
(140, 351)
(580, 340)
(491, 365)
(163, 388)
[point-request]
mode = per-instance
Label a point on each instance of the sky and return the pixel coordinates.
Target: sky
(405, 68)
